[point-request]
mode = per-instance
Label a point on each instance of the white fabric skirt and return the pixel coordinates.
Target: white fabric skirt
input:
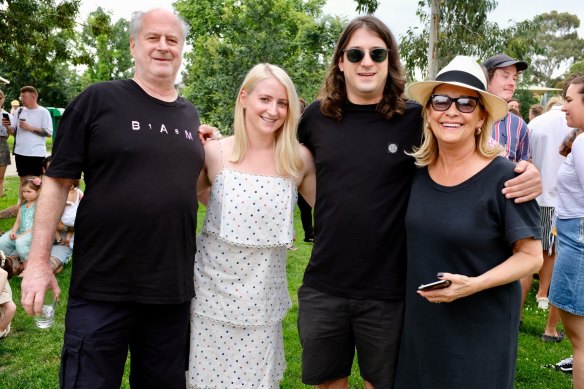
(224, 356)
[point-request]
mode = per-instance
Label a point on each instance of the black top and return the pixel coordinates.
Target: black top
(363, 181)
(135, 226)
(463, 229)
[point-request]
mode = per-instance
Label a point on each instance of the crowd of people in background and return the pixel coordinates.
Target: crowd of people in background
(29, 125)
(456, 145)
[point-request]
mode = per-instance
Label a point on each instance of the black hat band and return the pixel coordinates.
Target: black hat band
(461, 77)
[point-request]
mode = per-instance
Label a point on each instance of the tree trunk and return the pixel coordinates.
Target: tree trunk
(433, 41)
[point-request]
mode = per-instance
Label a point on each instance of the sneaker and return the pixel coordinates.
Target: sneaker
(565, 366)
(543, 303)
(291, 247)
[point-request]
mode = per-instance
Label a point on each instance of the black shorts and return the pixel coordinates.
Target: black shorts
(331, 328)
(99, 334)
(29, 166)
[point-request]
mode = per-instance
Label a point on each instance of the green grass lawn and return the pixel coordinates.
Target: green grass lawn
(29, 357)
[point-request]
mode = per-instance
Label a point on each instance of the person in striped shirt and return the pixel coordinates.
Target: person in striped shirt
(511, 131)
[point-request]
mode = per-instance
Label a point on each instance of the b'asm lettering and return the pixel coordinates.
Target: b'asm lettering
(137, 127)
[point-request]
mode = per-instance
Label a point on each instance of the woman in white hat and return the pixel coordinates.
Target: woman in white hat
(462, 233)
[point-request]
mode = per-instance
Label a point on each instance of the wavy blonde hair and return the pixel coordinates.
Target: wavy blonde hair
(288, 159)
(428, 151)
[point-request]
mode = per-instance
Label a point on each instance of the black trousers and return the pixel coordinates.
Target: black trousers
(305, 217)
(98, 336)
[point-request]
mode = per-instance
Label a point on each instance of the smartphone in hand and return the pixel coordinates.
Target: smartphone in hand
(435, 285)
(5, 116)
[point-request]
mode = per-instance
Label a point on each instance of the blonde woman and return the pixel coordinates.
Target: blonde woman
(240, 266)
(476, 247)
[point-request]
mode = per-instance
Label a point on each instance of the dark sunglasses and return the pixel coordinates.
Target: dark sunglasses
(465, 104)
(355, 55)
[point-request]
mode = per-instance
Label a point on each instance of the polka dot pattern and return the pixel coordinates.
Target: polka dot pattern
(240, 282)
(257, 211)
(225, 356)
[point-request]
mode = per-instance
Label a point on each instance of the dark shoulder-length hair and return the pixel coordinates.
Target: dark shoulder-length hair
(333, 94)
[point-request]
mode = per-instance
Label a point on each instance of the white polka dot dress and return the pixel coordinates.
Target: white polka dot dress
(240, 283)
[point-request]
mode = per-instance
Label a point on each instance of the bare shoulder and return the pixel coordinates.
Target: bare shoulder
(307, 162)
(216, 152)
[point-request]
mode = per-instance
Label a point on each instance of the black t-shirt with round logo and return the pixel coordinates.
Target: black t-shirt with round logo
(363, 186)
(135, 226)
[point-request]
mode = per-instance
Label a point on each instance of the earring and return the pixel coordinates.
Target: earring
(478, 131)
(428, 126)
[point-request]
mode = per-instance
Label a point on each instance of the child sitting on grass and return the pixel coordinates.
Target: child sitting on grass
(7, 306)
(19, 238)
(68, 218)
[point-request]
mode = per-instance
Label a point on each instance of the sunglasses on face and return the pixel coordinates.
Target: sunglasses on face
(355, 55)
(464, 104)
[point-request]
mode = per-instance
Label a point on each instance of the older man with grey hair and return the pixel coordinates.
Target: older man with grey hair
(136, 143)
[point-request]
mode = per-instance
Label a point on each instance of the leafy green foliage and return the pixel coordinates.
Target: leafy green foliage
(35, 38)
(229, 37)
(576, 68)
(526, 100)
(464, 30)
(103, 47)
(557, 34)
(367, 6)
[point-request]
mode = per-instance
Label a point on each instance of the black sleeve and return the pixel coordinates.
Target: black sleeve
(68, 156)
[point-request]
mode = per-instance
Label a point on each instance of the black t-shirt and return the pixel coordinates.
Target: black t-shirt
(464, 229)
(363, 183)
(135, 226)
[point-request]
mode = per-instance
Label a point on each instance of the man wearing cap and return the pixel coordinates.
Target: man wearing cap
(511, 131)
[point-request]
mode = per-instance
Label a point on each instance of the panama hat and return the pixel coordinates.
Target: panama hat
(465, 72)
(14, 103)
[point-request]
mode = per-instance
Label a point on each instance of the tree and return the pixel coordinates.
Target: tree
(103, 47)
(229, 37)
(433, 38)
(367, 6)
(35, 38)
(576, 68)
(558, 36)
(464, 30)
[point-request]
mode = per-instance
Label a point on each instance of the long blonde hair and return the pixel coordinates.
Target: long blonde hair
(427, 153)
(288, 159)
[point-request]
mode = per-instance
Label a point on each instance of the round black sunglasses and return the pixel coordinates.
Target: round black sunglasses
(355, 55)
